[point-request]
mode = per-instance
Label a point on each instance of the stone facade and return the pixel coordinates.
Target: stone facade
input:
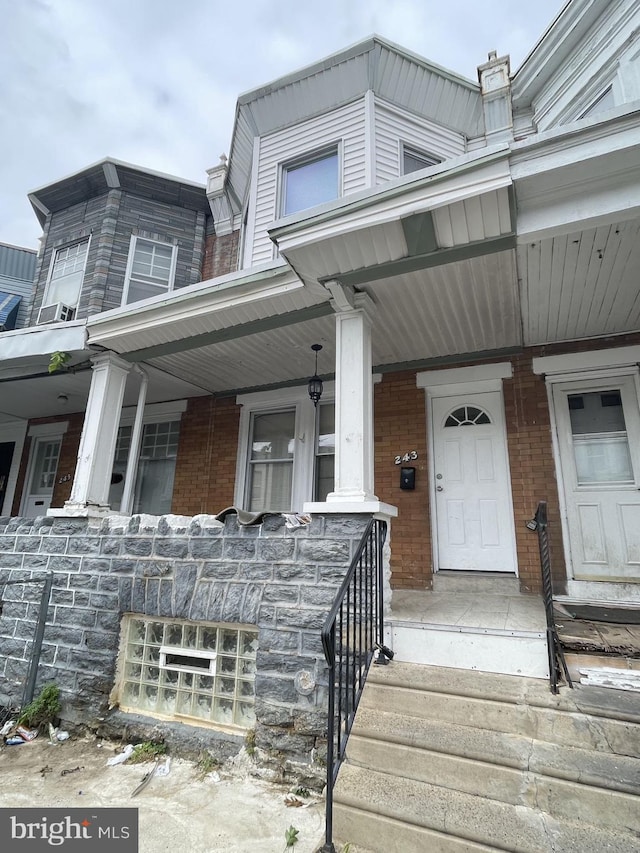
(193, 568)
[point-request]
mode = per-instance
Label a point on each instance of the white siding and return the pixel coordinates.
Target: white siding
(607, 56)
(394, 126)
(344, 126)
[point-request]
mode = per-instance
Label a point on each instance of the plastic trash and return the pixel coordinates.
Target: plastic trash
(163, 769)
(121, 757)
(62, 735)
(27, 734)
(14, 741)
(10, 724)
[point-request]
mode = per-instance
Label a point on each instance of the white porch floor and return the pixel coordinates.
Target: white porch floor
(479, 622)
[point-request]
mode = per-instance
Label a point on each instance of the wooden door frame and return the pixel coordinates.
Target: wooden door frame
(459, 381)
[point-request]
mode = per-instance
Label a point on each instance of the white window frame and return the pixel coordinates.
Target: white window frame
(128, 273)
(155, 413)
(326, 151)
(418, 153)
(46, 300)
(52, 432)
(263, 402)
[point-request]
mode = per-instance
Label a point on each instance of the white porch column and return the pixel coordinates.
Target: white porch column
(99, 433)
(354, 405)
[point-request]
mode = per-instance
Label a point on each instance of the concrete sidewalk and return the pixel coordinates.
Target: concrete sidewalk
(232, 812)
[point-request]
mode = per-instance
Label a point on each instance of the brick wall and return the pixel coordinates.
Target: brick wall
(220, 255)
(282, 581)
(400, 427)
(206, 462)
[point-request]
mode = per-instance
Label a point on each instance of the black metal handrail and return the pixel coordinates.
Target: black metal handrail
(352, 632)
(557, 662)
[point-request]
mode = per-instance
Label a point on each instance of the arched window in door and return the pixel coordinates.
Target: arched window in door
(467, 416)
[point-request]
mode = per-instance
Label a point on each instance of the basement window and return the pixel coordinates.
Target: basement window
(203, 672)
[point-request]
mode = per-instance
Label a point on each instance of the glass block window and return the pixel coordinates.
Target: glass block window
(181, 670)
(467, 416)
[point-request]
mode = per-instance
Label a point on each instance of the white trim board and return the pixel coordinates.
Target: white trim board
(574, 362)
(465, 380)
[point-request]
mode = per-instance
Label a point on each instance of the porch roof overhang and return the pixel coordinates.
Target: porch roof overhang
(577, 192)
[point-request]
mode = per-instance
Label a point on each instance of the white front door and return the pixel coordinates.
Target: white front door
(474, 513)
(44, 464)
(598, 425)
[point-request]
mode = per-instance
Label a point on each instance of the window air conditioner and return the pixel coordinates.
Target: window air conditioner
(55, 313)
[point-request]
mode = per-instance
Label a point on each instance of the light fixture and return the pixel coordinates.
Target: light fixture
(314, 385)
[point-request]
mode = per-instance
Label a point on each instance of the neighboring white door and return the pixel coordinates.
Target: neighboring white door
(598, 426)
(44, 464)
(474, 514)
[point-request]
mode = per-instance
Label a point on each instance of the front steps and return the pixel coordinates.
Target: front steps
(471, 620)
(452, 761)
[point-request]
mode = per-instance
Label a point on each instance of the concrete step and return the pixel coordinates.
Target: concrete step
(488, 583)
(450, 761)
(565, 800)
(369, 805)
(376, 736)
(468, 647)
(585, 718)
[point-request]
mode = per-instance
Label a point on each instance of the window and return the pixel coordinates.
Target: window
(310, 181)
(271, 461)
(325, 451)
(289, 449)
(204, 672)
(66, 274)
(601, 104)
(600, 441)
(413, 160)
(467, 416)
(156, 467)
(150, 269)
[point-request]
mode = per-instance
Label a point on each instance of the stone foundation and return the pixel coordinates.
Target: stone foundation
(192, 568)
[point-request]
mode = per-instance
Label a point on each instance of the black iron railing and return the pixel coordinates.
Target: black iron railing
(557, 662)
(353, 631)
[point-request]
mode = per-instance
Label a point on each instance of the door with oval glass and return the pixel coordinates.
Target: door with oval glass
(598, 428)
(474, 514)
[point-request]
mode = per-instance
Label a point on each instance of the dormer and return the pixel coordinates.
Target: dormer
(361, 117)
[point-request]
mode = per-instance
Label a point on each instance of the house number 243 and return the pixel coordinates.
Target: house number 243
(406, 457)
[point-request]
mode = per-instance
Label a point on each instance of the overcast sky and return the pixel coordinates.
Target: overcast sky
(154, 82)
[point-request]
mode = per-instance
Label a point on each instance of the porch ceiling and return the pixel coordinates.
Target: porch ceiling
(581, 285)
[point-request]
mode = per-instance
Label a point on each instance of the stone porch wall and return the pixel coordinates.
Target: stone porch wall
(281, 580)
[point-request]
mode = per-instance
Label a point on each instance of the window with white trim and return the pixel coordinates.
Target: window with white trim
(150, 269)
(310, 181)
(66, 274)
(413, 160)
(153, 492)
(203, 672)
(325, 451)
(289, 449)
(605, 101)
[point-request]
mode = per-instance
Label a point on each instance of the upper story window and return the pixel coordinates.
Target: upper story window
(150, 270)
(65, 277)
(310, 181)
(603, 102)
(413, 160)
